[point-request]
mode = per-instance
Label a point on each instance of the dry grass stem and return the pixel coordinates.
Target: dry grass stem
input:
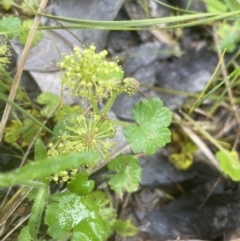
(197, 140)
(227, 84)
(21, 66)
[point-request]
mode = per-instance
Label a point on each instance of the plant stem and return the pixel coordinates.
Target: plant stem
(110, 101)
(94, 104)
(121, 123)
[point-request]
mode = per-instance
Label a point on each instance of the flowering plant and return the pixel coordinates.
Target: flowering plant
(82, 139)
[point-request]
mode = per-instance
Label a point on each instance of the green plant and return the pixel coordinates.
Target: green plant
(6, 4)
(227, 31)
(83, 140)
(182, 158)
(83, 137)
(25, 27)
(229, 163)
(30, 6)
(9, 27)
(13, 26)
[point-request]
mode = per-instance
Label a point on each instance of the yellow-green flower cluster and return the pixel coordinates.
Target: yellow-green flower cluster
(4, 53)
(88, 74)
(64, 176)
(82, 134)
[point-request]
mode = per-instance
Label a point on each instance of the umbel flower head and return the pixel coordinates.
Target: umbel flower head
(82, 134)
(87, 74)
(4, 53)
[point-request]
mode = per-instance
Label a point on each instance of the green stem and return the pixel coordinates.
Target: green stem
(110, 101)
(121, 123)
(94, 104)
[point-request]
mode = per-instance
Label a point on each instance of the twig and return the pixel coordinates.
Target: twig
(209, 194)
(36, 136)
(16, 227)
(12, 205)
(21, 66)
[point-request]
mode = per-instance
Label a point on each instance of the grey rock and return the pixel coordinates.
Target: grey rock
(43, 58)
(190, 73)
(157, 170)
(187, 220)
(47, 53)
(141, 64)
(143, 56)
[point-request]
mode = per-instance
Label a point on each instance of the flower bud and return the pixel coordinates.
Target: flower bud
(131, 86)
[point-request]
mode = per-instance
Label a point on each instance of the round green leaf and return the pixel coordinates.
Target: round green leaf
(229, 163)
(90, 229)
(128, 173)
(151, 130)
(81, 185)
(68, 211)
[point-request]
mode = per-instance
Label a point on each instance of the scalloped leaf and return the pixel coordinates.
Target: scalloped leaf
(229, 163)
(90, 229)
(229, 35)
(81, 185)
(23, 132)
(75, 214)
(10, 26)
(106, 211)
(13, 132)
(151, 130)
(50, 101)
(125, 228)
(128, 174)
(25, 28)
